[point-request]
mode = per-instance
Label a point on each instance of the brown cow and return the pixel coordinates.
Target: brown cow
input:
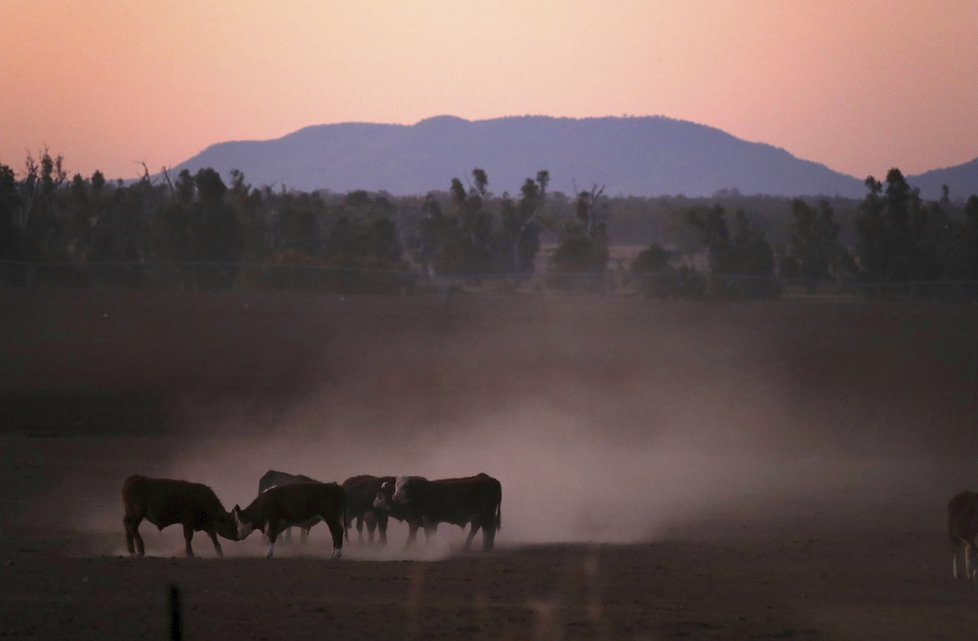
(473, 500)
(360, 493)
(277, 508)
(165, 502)
(274, 478)
(962, 528)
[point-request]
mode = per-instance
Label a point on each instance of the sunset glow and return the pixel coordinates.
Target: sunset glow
(858, 86)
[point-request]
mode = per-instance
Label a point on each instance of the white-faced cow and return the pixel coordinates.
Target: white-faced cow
(360, 494)
(274, 478)
(384, 503)
(962, 528)
(473, 500)
(275, 509)
(165, 502)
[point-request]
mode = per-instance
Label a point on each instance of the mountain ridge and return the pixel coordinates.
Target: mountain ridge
(962, 181)
(632, 156)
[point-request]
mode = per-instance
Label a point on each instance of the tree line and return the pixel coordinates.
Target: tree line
(196, 231)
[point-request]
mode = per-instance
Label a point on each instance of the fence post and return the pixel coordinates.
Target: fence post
(175, 626)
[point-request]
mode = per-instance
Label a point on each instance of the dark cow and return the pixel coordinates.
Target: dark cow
(962, 528)
(475, 500)
(274, 478)
(384, 503)
(276, 508)
(165, 502)
(360, 493)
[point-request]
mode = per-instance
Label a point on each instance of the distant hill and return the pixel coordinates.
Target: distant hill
(962, 181)
(640, 156)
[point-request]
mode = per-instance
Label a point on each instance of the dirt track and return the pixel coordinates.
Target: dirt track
(669, 470)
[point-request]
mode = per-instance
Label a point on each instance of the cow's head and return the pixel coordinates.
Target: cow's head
(401, 490)
(242, 524)
(226, 526)
(385, 496)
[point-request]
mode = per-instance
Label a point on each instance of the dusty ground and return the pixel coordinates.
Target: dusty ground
(670, 470)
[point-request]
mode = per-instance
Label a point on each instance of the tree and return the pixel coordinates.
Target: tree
(124, 233)
(460, 242)
(742, 263)
(901, 239)
(813, 249)
(199, 226)
(250, 211)
(581, 258)
(656, 277)
(79, 217)
(295, 227)
(969, 242)
(522, 223)
(9, 204)
(586, 208)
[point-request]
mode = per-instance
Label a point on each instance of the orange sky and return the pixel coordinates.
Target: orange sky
(857, 85)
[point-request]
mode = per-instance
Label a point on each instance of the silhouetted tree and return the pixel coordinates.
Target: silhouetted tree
(581, 258)
(522, 226)
(655, 276)
(813, 249)
(249, 209)
(741, 264)
(9, 204)
(903, 240)
(461, 242)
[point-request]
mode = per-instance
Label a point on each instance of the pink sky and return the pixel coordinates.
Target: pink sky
(858, 86)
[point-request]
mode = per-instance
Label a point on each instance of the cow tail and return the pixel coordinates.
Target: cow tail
(499, 514)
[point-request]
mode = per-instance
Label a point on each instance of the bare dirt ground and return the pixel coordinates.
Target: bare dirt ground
(670, 470)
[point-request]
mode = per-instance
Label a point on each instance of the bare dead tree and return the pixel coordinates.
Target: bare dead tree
(586, 203)
(145, 170)
(166, 177)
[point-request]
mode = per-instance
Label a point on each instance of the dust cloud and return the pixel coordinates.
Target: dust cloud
(601, 426)
(605, 421)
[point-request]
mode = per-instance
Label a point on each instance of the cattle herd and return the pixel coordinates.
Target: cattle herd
(287, 500)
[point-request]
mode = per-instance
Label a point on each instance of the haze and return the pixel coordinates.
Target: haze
(858, 86)
(611, 423)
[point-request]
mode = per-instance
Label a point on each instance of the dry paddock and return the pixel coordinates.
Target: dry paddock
(670, 470)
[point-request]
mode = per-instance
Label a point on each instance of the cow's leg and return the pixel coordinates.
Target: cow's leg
(129, 537)
(382, 528)
(336, 529)
(429, 531)
(472, 531)
(954, 558)
(188, 535)
(272, 535)
(132, 534)
(970, 559)
(371, 520)
(360, 520)
(489, 535)
(217, 544)
(966, 553)
(412, 532)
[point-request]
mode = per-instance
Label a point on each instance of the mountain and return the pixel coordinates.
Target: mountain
(638, 156)
(961, 180)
